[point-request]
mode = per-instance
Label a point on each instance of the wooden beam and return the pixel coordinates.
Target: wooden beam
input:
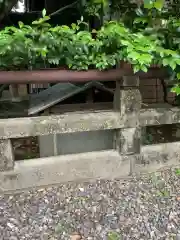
(81, 107)
(49, 76)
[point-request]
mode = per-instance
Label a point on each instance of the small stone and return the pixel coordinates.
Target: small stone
(76, 236)
(81, 189)
(14, 221)
(10, 225)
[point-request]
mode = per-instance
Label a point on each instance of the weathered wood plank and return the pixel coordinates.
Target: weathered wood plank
(81, 107)
(58, 93)
(57, 75)
(13, 89)
(51, 96)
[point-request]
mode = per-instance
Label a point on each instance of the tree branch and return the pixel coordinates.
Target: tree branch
(64, 8)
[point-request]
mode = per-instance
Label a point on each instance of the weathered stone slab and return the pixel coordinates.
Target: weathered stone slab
(105, 164)
(158, 116)
(84, 166)
(6, 155)
(64, 123)
(59, 169)
(157, 156)
(84, 121)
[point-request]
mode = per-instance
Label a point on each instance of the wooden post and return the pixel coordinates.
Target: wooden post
(23, 90)
(6, 155)
(127, 100)
(18, 92)
(13, 89)
(90, 96)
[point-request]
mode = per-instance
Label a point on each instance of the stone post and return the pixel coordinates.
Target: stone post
(127, 100)
(6, 155)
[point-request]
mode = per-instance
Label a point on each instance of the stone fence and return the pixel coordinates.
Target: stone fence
(127, 158)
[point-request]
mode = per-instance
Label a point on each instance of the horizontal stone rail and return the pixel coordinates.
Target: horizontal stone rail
(88, 166)
(158, 116)
(83, 121)
(64, 123)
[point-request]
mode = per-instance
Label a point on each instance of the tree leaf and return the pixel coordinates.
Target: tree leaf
(144, 68)
(158, 4)
(178, 76)
(21, 24)
(172, 64)
(176, 89)
(44, 12)
(148, 4)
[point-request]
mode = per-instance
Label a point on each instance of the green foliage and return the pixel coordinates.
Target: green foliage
(157, 4)
(177, 172)
(77, 48)
(145, 32)
(158, 19)
(152, 38)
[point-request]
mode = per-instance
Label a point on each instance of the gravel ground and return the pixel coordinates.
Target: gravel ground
(146, 207)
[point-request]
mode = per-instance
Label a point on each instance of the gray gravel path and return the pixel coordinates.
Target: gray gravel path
(147, 207)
